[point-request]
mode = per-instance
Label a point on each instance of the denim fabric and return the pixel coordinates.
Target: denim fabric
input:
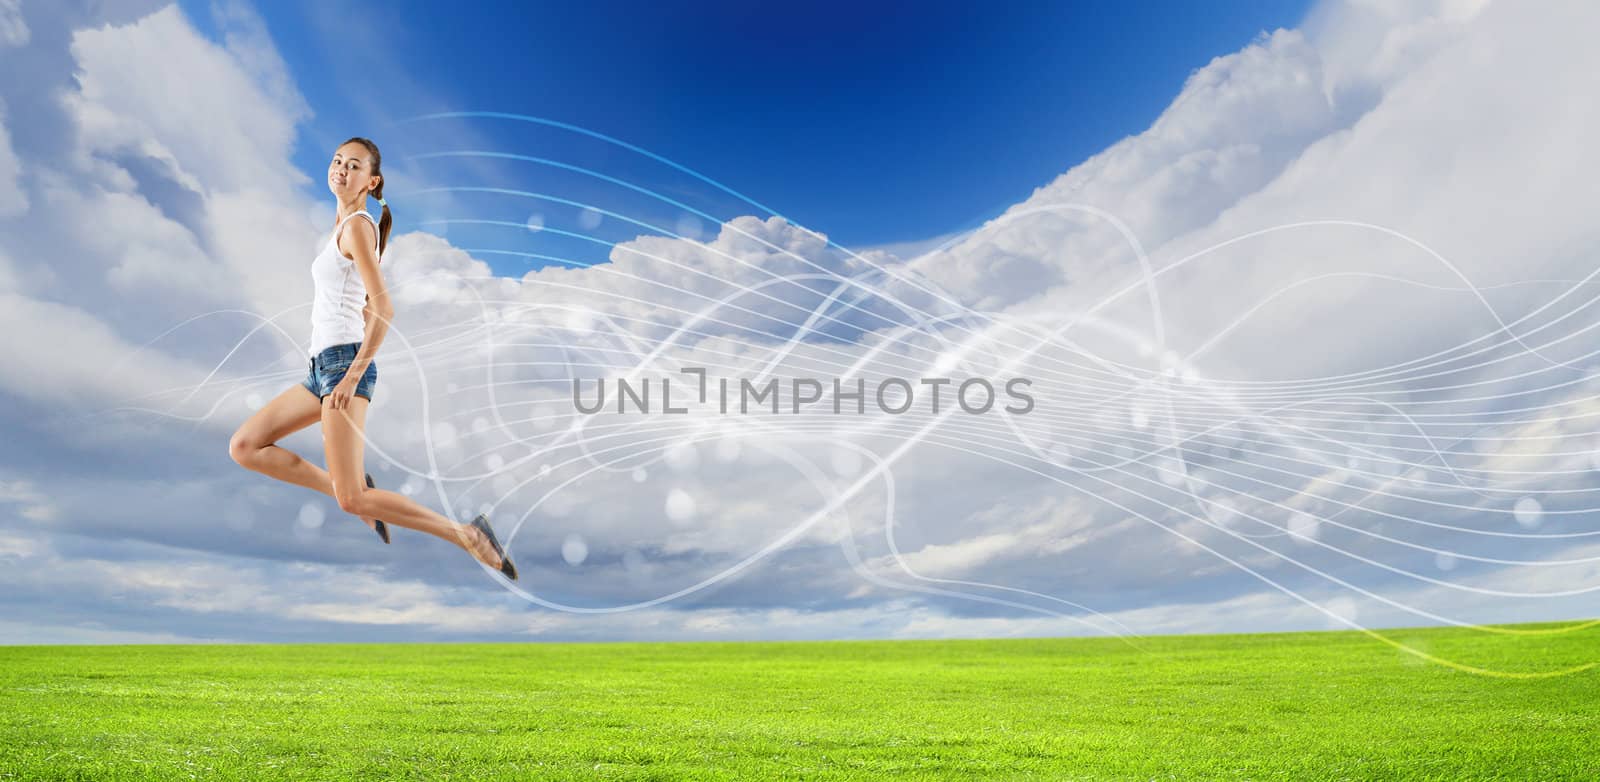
(330, 366)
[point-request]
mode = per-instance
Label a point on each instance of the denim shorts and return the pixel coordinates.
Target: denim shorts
(330, 366)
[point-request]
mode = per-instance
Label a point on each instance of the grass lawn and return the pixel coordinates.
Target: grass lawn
(1291, 706)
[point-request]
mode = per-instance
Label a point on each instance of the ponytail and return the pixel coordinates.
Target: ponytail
(387, 221)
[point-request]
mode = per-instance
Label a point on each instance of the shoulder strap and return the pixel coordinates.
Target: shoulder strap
(363, 213)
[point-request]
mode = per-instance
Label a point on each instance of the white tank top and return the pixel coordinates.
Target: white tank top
(339, 295)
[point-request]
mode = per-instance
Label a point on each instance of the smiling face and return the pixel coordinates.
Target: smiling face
(350, 172)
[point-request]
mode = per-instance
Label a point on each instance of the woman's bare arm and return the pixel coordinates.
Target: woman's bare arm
(358, 242)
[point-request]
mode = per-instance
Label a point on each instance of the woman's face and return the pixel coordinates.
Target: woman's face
(350, 172)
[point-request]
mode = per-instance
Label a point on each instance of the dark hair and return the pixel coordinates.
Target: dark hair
(377, 192)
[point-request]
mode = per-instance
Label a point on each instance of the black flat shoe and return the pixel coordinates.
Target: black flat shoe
(383, 529)
(510, 570)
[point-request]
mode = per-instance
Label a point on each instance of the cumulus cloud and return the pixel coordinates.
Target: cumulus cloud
(1234, 126)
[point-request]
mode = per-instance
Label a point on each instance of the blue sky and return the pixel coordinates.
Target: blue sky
(1303, 196)
(874, 123)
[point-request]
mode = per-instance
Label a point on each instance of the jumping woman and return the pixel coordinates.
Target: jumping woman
(349, 316)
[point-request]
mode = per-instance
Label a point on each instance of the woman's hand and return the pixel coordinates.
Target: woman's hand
(341, 393)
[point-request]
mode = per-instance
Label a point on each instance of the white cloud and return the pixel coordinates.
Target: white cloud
(18, 546)
(158, 88)
(301, 592)
(13, 28)
(1233, 127)
(13, 201)
(1455, 136)
(1047, 527)
(68, 362)
(91, 632)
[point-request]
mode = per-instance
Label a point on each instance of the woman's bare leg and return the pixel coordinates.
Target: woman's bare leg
(253, 445)
(341, 437)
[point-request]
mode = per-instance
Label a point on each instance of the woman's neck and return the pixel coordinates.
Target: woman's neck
(351, 207)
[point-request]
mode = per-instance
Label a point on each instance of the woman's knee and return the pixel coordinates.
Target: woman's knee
(352, 500)
(242, 448)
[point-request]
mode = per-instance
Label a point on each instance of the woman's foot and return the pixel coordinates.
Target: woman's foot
(481, 544)
(479, 547)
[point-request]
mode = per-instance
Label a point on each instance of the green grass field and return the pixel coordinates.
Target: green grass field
(1281, 706)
